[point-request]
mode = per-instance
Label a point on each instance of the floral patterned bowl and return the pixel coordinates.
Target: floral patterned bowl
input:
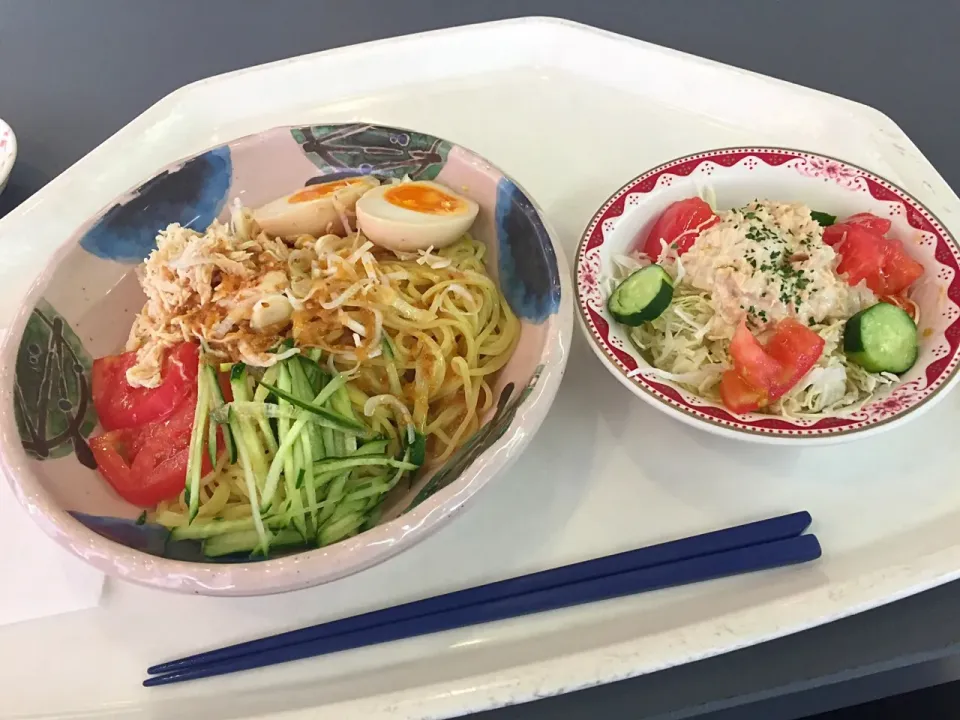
(8, 153)
(739, 175)
(84, 302)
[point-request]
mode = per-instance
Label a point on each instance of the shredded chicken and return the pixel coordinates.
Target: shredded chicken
(241, 292)
(768, 261)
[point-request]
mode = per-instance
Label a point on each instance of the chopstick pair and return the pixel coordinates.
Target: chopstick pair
(762, 545)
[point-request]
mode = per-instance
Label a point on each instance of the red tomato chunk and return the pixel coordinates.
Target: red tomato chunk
(681, 223)
(143, 454)
(867, 255)
(762, 374)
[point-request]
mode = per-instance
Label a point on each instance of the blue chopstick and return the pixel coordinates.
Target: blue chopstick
(754, 533)
(777, 553)
(777, 528)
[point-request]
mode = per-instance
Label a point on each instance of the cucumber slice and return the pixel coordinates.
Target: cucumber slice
(315, 375)
(374, 447)
(287, 460)
(339, 464)
(244, 541)
(418, 449)
(642, 297)
(334, 496)
(238, 382)
(882, 338)
(340, 528)
(208, 528)
(217, 401)
(198, 439)
(342, 423)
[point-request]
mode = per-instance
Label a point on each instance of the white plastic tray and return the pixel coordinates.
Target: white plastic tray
(605, 473)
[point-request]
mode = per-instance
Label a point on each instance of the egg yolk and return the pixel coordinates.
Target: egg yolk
(315, 192)
(423, 199)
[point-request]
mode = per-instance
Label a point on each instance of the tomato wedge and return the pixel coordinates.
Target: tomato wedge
(681, 223)
(833, 234)
(113, 452)
(762, 374)
(147, 464)
(878, 225)
(123, 456)
(796, 349)
(898, 271)
(866, 255)
(751, 361)
(738, 396)
(163, 481)
(119, 405)
(861, 256)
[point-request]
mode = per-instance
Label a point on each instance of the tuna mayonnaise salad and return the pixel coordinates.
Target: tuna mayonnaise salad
(762, 307)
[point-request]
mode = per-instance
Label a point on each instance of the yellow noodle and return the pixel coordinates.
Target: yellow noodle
(449, 331)
(236, 511)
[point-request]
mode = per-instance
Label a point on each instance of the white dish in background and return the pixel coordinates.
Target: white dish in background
(605, 472)
(8, 153)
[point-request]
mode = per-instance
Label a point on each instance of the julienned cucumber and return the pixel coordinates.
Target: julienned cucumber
(418, 449)
(217, 401)
(340, 421)
(198, 439)
(246, 541)
(642, 297)
(882, 338)
(292, 426)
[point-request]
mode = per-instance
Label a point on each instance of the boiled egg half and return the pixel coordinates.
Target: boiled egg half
(315, 210)
(414, 215)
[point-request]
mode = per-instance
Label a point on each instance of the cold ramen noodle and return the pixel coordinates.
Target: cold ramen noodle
(770, 307)
(293, 366)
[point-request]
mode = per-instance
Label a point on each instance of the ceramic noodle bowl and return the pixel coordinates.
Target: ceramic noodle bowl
(87, 298)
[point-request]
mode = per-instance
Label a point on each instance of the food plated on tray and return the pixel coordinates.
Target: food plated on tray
(771, 306)
(277, 386)
(777, 294)
(309, 371)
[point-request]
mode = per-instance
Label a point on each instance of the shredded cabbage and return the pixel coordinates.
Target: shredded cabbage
(680, 348)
